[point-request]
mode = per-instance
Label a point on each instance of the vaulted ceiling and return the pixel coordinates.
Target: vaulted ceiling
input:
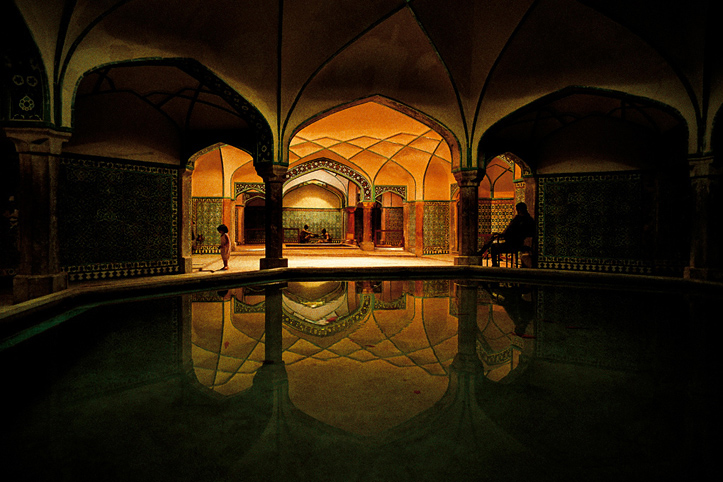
(462, 66)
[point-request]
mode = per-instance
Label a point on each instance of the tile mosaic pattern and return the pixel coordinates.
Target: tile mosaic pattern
(401, 190)
(208, 215)
(591, 222)
(494, 214)
(317, 219)
(412, 232)
(436, 227)
(134, 212)
(248, 187)
(394, 221)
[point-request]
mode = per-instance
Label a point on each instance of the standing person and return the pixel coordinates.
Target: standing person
(522, 226)
(225, 245)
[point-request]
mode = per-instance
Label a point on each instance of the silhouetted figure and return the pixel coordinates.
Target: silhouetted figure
(521, 227)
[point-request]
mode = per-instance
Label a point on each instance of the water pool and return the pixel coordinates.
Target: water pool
(366, 379)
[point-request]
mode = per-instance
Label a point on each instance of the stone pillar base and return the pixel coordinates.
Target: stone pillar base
(186, 264)
(467, 260)
(703, 274)
(366, 246)
(27, 287)
(270, 263)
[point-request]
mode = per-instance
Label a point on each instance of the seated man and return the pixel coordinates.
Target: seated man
(522, 226)
(305, 235)
(325, 237)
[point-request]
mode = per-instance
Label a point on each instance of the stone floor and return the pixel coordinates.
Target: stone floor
(247, 259)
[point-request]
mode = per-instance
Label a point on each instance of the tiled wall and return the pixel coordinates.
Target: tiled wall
(412, 229)
(116, 219)
(436, 227)
(317, 219)
(591, 222)
(493, 216)
(208, 215)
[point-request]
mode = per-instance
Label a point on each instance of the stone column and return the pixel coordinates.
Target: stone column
(273, 176)
(706, 257)
(349, 234)
(39, 270)
(185, 239)
(273, 315)
(468, 182)
(466, 300)
(367, 243)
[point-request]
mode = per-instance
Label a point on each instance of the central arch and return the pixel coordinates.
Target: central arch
(365, 187)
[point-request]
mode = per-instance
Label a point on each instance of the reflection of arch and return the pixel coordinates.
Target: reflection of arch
(338, 325)
(336, 167)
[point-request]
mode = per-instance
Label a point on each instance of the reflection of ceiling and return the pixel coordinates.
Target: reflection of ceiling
(225, 355)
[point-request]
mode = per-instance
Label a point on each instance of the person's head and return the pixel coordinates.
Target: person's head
(323, 231)
(306, 226)
(521, 208)
(222, 228)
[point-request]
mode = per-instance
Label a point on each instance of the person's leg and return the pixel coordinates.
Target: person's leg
(495, 254)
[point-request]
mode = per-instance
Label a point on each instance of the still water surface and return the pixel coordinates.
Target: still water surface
(401, 380)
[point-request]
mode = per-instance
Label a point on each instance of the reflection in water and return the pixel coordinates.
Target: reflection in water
(375, 346)
(358, 380)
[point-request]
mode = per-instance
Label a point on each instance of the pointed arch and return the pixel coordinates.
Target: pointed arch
(438, 127)
(365, 186)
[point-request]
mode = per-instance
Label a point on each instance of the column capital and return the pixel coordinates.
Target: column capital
(272, 172)
(468, 178)
(704, 166)
(41, 140)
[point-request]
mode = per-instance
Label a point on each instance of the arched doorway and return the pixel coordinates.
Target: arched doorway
(392, 149)
(252, 222)
(388, 220)
(585, 148)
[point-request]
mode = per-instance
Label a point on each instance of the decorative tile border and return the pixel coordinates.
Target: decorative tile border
(341, 323)
(252, 187)
(333, 166)
(401, 190)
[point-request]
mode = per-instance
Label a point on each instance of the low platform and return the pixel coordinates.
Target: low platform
(321, 246)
